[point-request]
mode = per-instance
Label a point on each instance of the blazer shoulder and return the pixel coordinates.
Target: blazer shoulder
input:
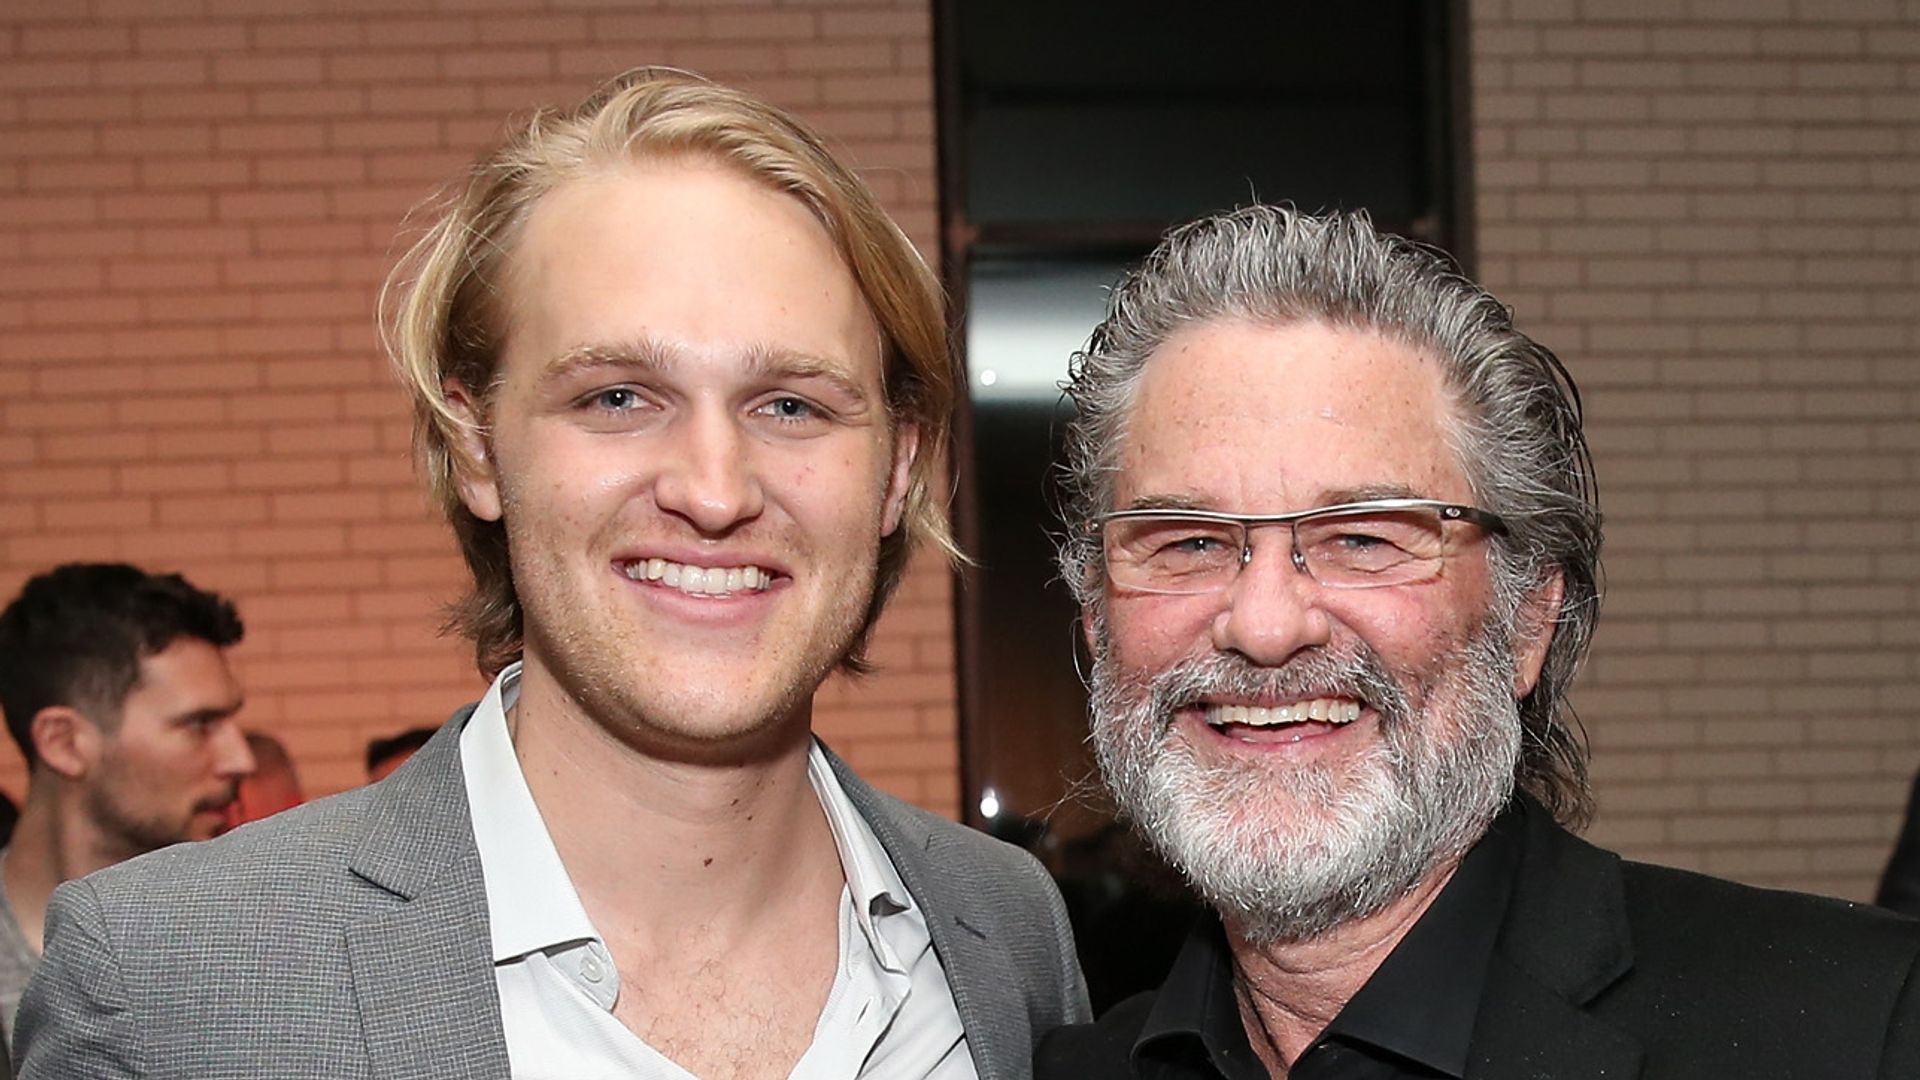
(276, 853)
(1689, 912)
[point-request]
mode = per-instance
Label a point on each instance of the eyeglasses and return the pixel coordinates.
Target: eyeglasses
(1360, 545)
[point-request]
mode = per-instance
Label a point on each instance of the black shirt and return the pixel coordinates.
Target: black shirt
(1413, 1018)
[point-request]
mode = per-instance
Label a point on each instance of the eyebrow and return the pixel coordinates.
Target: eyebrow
(1326, 497)
(217, 713)
(763, 362)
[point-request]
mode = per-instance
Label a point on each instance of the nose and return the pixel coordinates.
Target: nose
(233, 758)
(710, 478)
(1273, 608)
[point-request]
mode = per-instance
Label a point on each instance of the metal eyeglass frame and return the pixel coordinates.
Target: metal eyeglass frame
(1485, 519)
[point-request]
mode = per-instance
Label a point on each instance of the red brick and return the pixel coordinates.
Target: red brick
(267, 70)
(144, 275)
(166, 479)
(41, 550)
(271, 206)
(56, 480)
(172, 411)
(282, 136)
(197, 37)
(324, 35)
(96, 446)
(109, 514)
(311, 101)
(176, 376)
(212, 510)
(57, 108)
(195, 173)
(187, 71)
(168, 208)
(221, 445)
(277, 540)
(287, 474)
(197, 104)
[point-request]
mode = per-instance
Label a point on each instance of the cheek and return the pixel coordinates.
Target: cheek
(1151, 632)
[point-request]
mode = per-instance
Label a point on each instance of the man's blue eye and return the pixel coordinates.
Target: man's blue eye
(617, 398)
(791, 408)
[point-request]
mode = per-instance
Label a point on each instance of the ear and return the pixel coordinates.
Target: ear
(473, 469)
(67, 742)
(906, 448)
(1534, 626)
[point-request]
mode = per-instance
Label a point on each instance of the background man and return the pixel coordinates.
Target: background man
(1334, 530)
(387, 754)
(273, 786)
(115, 685)
(683, 390)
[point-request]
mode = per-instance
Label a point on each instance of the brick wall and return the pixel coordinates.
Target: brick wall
(198, 200)
(1708, 206)
(1711, 209)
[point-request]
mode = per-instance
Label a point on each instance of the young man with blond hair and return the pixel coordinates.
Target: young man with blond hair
(683, 391)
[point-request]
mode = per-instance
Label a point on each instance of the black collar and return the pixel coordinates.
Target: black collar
(1419, 1007)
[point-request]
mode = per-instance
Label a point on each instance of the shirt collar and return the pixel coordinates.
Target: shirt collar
(873, 884)
(1420, 1004)
(531, 903)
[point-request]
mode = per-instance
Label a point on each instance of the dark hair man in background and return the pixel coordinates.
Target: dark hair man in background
(1334, 529)
(388, 754)
(684, 391)
(115, 685)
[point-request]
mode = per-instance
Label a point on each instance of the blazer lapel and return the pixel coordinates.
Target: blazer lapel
(976, 962)
(422, 967)
(1565, 941)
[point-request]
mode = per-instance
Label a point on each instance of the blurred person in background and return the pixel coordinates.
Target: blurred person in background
(115, 685)
(273, 786)
(388, 754)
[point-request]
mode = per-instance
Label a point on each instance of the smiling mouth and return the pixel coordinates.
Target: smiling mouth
(699, 580)
(1282, 723)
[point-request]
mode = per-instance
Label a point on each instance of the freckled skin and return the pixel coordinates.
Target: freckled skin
(1258, 419)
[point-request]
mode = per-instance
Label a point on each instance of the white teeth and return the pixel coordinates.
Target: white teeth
(700, 580)
(1332, 710)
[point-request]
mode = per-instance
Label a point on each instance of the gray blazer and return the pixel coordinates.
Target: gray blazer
(349, 939)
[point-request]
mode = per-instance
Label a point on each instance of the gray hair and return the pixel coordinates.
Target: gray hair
(1516, 429)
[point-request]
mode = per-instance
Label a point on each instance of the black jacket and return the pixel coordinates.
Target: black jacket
(1610, 970)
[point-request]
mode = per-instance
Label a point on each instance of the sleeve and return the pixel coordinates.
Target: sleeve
(76, 1018)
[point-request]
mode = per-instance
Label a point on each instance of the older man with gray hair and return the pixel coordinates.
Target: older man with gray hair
(1335, 533)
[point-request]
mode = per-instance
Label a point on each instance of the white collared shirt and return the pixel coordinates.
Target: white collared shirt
(889, 1014)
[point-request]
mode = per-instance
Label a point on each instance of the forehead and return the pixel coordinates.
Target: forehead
(686, 252)
(189, 675)
(1256, 418)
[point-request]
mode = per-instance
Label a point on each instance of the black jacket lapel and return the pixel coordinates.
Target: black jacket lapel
(1565, 942)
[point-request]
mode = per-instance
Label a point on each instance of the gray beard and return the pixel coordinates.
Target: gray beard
(1369, 829)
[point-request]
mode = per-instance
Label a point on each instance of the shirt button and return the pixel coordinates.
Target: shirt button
(591, 969)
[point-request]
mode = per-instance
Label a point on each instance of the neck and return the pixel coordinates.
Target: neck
(1289, 992)
(53, 842)
(658, 844)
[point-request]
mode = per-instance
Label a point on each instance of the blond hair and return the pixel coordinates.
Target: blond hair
(444, 320)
